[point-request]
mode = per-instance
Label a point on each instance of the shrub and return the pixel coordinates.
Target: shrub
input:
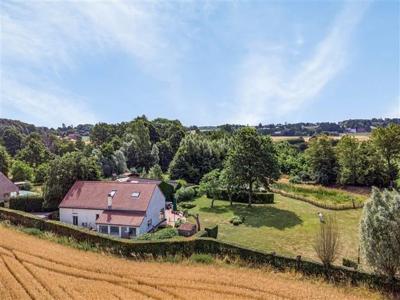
(202, 258)
(180, 183)
(243, 197)
(21, 171)
(188, 205)
(237, 220)
(349, 263)
(162, 234)
(185, 194)
(32, 203)
(168, 190)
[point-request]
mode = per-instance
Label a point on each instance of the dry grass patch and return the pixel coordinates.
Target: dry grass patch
(39, 269)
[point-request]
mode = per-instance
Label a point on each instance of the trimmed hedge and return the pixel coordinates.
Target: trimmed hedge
(198, 244)
(32, 203)
(243, 197)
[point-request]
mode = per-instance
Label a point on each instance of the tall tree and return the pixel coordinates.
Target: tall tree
(63, 172)
(5, 160)
(35, 152)
(321, 160)
(387, 141)
(252, 159)
(12, 140)
(21, 171)
(380, 232)
(101, 133)
(348, 157)
(210, 184)
(372, 166)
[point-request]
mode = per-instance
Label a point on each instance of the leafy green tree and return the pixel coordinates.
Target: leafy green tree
(21, 171)
(119, 161)
(387, 140)
(321, 160)
(155, 172)
(251, 160)
(348, 157)
(165, 154)
(101, 133)
(41, 173)
(63, 172)
(380, 232)
(35, 152)
(5, 161)
(12, 140)
(195, 157)
(372, 167)
(79, 144)
(210, 183)
(291, 160)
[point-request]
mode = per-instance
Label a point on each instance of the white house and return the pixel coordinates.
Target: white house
(123, 209)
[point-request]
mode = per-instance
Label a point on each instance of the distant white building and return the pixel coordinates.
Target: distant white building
(123, 209)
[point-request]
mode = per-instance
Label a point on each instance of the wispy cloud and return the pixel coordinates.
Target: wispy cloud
(269, 89)
(42, 39)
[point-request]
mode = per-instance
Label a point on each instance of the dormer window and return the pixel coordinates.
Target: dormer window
(135, 194)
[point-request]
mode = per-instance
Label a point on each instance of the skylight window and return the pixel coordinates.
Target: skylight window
(135, 194)
(112, 193)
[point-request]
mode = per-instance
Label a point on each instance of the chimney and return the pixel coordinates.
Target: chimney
(109, 201)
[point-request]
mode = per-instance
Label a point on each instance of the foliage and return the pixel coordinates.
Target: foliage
(349, 263)
(32, 203)
(41, 173)
(168, 190)
(321, 159)
(21, 171)
(210, 184)
(155, 172)
(63, 172)
(387, 140)
(12, 140)
(185, 194)
(380, 232)
(327, 241)
(290, 159)
(236, 220)
(243, 197)
(202, 259)
(101, 133)
(162, 234)
(188, 205)
(35, 152)
(251, 159)
(348, 160)
(5, 160)
(195, 157)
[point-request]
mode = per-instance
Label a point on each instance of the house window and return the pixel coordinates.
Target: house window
(135, 194)
(114, 230)
(149, 222)
(97, 216)
(75, 220)
(103, 229)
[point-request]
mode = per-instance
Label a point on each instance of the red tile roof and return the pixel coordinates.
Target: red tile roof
(6, 185)
(94, 194)
(120, 218)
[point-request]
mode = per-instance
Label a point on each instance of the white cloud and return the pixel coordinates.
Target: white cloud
(43, 39)
(268, 89)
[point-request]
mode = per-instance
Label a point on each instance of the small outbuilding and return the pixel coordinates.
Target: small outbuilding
(187, 229)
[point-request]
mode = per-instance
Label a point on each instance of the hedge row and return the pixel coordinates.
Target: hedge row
(199, 244)
(243, 197)
(317, 203)
(31, 203)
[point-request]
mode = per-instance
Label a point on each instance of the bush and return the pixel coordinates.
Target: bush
(21, 171)
(243, 197)
(188, 205)
(202, 258)
(27, 203)
(162, 234)
(185, 194)
(168, 190)
(349, 263)
(180, 183)
(237, 220)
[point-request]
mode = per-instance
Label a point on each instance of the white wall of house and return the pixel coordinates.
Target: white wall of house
(157, 203)
(86, 217)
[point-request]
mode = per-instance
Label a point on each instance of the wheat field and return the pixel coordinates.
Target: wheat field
(32, 268)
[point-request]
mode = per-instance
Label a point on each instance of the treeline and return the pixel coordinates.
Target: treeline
(375, 162)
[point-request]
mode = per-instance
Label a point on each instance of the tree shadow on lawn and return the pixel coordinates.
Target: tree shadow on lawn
(259, 216)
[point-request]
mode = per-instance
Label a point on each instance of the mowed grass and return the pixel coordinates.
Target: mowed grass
(287, 227)
(32, 268)
(323, 195)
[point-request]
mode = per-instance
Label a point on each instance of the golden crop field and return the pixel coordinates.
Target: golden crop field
(32, 268)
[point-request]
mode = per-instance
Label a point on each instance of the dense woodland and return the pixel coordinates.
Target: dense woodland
(235, 158)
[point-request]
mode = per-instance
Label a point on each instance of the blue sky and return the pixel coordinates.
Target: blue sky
(202, 62)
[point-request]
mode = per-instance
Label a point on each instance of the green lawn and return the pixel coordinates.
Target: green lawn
(286, 227)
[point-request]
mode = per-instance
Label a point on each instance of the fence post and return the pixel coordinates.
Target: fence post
(298, 262)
